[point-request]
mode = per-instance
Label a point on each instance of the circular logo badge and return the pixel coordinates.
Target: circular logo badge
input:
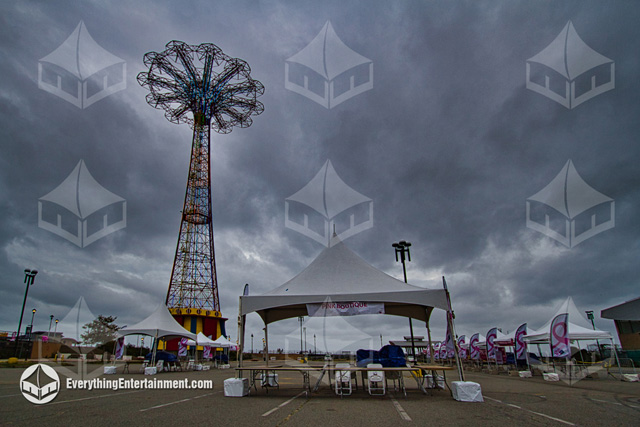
(39, 384)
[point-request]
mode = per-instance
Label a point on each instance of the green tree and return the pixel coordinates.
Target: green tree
(100, 331)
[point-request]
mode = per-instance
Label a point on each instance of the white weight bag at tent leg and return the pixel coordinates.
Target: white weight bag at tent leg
(466, 391)
(236, 387)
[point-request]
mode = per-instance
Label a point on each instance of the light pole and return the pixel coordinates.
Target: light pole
(251, 345)
(305, 338)
(55, 332)
(300, 319)
(50, 321)
(29, 277)
(315, 348)
(402, 249)
(590, 317)
(33, 314)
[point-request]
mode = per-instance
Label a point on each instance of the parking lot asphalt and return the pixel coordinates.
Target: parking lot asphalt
(507, 400)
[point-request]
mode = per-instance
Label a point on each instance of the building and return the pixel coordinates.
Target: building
(626, 317)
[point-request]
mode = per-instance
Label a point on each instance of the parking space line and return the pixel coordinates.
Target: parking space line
(532, 412)
(400, 409)
(283, 404)
(173, 403)
(90, 398)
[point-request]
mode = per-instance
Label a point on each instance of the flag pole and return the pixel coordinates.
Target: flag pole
(450, 317)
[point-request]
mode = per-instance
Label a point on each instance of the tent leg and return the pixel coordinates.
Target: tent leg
(430, 344)
(615, 351)
(266, 344)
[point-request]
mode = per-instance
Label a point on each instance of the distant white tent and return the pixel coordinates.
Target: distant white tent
(579, 326)
(159, 324)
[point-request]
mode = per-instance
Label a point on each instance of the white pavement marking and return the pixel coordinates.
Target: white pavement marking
(282, 404)
(89, 398)
(614, 403)
(401, 411)
(533, 412)
(173, 403)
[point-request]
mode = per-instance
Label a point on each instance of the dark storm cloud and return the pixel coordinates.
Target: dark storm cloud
(448, 144)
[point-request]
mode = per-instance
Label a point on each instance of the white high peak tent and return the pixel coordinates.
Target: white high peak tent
(579, 326)
(159, 324)
(338, 275)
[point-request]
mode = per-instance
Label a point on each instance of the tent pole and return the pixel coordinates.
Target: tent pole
(450, 317)
(615, 351)
(266, 343)
(241, 321)
(430, 344)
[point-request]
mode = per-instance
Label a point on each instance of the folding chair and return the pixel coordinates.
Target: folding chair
(343, 379)
(375, 379)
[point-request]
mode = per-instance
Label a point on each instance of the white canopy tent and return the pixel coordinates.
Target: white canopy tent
(338, 275)
(579, 327)
(159, 324)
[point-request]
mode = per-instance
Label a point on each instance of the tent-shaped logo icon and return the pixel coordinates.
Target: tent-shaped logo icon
(39, 383)
(326, 202)
(568, 71)
(81, 210)
(569, 210)
(327, 71)
(80, 71)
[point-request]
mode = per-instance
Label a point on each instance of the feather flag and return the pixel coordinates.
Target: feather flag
(560, 336)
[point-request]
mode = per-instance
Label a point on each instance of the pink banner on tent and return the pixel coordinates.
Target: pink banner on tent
(559, 336)
(474, 348)
(182, 347)
(451, 349)
(206, 352)
(491, 347)
(119, 347)
(521, 346)
(462, 353)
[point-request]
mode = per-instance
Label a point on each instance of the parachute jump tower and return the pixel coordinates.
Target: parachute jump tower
(201, 86)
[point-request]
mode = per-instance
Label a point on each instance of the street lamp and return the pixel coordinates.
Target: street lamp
(50, 321)
(55, 332)
(305, 338)
(402, 249)
(29, 277)
(300, 319)
(33, 314)
(315, 349)
(252, 345)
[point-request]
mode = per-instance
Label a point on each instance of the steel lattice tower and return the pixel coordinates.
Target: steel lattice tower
(202, 86)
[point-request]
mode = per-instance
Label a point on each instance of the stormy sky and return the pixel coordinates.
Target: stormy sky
(448, 144)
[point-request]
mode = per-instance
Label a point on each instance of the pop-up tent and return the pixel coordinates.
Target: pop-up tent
(159, 324)
(339, 282)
